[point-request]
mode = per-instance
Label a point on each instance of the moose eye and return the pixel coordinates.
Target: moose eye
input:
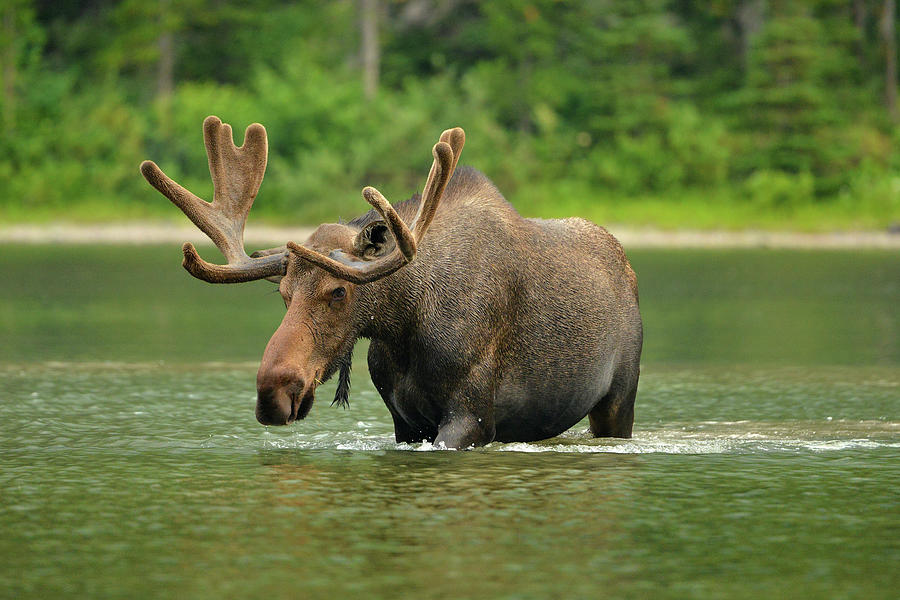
(338, 294)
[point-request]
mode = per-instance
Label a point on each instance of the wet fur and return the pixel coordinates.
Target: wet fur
(502, 327)
(342, 394)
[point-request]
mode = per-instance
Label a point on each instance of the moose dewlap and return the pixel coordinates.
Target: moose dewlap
(484, 325)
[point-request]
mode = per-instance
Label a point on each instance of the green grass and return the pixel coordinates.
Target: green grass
(90, 212)
(715, 210)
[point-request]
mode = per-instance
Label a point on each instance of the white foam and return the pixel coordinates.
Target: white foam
(737, 437)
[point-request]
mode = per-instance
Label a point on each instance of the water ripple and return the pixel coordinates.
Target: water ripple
(738, 437)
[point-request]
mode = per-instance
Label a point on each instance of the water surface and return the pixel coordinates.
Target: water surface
(764, 462)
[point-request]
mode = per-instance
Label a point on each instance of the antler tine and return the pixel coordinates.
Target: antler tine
(456, 137)
(190, 205)
(446, 155)
(343, 267)
(237, 172)
(406, 241)
(355, 271)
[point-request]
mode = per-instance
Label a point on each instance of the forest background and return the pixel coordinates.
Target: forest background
(774, 114)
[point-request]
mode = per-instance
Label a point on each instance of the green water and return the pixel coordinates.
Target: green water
(765, 462)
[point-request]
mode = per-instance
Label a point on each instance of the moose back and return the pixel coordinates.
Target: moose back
(484, 325)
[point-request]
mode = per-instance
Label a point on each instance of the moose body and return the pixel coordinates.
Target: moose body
(500, 328)
(503, 327)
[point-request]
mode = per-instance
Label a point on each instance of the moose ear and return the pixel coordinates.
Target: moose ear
(373, 241)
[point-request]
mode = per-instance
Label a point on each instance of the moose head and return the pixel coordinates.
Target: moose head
(323, 281)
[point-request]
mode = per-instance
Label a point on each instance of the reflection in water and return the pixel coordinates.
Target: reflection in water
(470, 522)
(765, 460)
(727, 307)
(770, 307)
(118, 462)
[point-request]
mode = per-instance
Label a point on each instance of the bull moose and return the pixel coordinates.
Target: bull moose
(484, 325)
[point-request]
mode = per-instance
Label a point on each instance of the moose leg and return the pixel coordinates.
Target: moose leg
(468, 419)
(383, 369)
(465, 431)
(406, 433)
(613, 416)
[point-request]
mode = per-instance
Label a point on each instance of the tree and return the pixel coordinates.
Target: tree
(889, 34)
(21, 39)
(9, 66)
(749, 16)
(371, 52)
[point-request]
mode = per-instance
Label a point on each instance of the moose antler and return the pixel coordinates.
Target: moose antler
(237, 173)
(446, 155)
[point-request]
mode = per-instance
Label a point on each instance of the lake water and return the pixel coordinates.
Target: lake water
(765, 461)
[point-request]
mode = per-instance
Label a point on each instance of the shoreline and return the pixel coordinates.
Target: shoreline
(260, 235)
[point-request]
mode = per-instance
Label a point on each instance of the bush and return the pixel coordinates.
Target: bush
(779, 191)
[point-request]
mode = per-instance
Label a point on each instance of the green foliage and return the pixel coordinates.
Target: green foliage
(627, 110)
(777, 190)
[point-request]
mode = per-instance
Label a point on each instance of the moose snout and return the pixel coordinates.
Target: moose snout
(279, 393)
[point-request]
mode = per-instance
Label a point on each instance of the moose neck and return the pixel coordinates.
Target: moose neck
(387, 307)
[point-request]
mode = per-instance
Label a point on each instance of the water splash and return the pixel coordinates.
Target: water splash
(708, 437)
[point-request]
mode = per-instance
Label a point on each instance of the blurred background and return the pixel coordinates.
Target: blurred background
(727, 114)
(766, 454)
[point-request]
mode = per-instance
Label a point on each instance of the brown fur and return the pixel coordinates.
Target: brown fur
(484, 325)
(501, 328)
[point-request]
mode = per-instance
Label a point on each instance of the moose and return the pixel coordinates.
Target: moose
(483, 325)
